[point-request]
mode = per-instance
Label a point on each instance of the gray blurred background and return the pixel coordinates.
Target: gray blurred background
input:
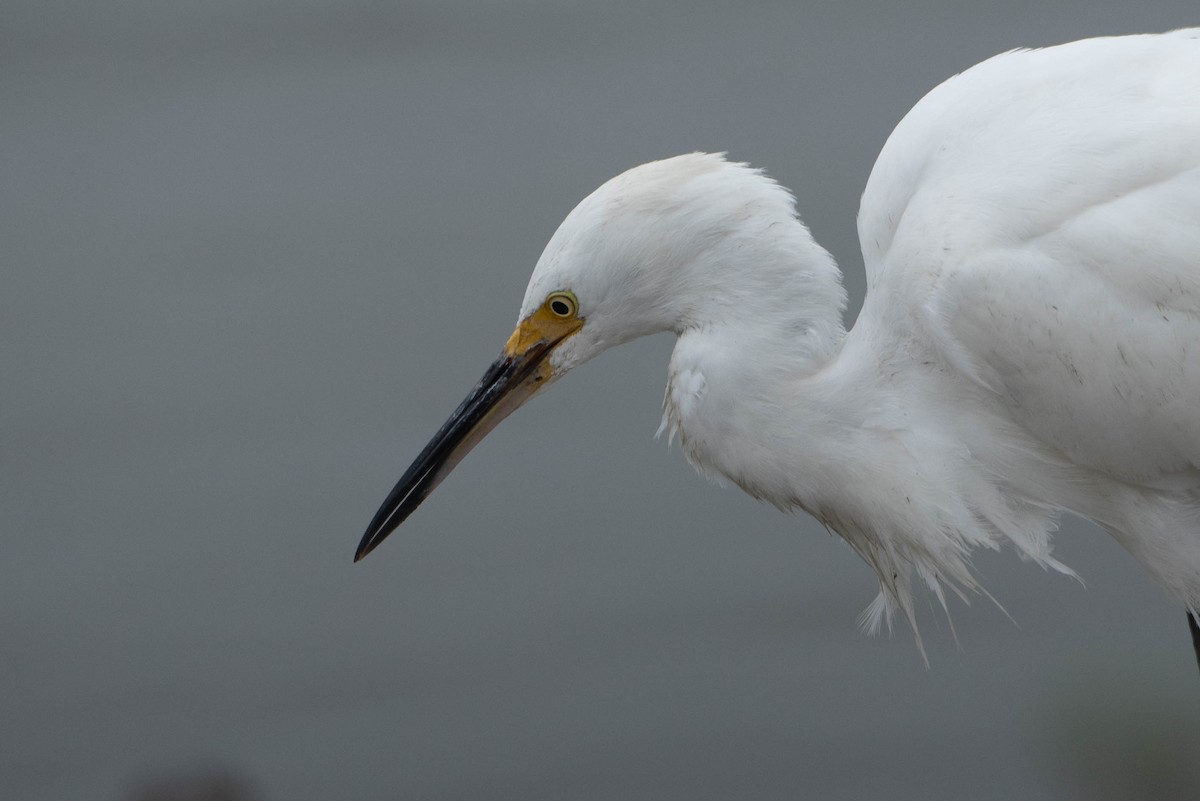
(254, 254)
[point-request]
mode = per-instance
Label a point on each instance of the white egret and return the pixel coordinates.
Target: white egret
(1029, 343)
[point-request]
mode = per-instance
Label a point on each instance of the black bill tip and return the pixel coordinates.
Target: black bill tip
(364, 547)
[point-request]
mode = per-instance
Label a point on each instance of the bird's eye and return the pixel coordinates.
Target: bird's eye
(562, 304)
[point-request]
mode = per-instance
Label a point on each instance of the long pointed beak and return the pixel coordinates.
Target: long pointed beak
(520, 371)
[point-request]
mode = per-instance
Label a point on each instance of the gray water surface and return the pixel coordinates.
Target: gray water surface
(255, 252)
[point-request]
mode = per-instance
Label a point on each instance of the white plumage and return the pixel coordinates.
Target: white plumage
(1029, 343)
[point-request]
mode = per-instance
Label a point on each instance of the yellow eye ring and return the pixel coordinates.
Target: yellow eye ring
(562, 304)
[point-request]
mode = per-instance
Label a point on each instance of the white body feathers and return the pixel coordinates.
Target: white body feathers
(1030, 341)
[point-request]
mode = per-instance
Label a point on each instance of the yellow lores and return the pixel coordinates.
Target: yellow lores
(554, 321)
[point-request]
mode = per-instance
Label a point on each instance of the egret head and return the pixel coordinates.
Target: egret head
(653, 250)
(644, 253)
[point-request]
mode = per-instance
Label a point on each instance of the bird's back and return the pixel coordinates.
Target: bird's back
(1018, 144)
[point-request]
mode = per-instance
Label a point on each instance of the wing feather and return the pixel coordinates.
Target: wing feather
(1036, 221)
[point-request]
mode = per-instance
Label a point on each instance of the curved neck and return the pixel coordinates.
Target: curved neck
(774, 287)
